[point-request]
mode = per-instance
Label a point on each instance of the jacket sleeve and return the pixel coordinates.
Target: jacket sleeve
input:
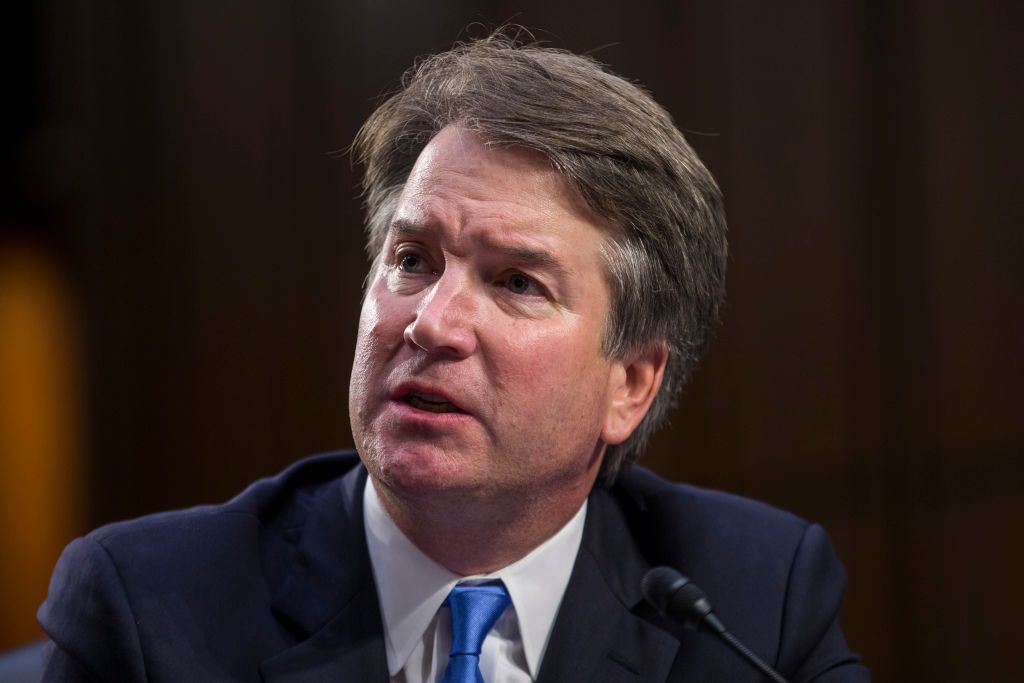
(812, 644)
(88, 618)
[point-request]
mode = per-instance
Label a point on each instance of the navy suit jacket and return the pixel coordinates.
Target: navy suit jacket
(276, 585)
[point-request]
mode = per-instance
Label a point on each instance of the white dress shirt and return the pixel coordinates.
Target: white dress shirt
(411, 588)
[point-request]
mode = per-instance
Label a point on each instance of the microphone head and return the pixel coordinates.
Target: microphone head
(675, 596)
(659, 585)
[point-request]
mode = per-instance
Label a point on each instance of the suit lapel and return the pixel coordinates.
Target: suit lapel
(329, 596)
(600, 633)
(603, 632)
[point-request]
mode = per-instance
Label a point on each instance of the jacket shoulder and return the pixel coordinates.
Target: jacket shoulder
(678, 523)
(277, 502)
(773, 577)
(172, 582)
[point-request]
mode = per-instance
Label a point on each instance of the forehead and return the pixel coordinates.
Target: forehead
(465, 186)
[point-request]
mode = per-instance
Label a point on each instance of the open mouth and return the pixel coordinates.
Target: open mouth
(431, 403)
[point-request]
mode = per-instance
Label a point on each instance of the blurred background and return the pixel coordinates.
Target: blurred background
(181, 259)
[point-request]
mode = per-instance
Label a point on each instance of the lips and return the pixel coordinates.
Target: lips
(426, 398)
(432, 405)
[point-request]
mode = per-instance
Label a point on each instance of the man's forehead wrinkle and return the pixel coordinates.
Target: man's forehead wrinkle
(458, 211)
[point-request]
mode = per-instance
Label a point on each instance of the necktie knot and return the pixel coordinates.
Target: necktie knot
(474, 611)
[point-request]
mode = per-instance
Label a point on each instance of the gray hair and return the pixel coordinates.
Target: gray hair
(616, 146)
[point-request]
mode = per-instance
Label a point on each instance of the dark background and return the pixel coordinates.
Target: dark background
(191, 255)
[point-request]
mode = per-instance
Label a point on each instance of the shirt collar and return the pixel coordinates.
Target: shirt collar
(411, 586)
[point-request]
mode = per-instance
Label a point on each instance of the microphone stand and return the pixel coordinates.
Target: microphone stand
(676, 597)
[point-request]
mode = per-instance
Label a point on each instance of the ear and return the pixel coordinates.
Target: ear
(634, 383)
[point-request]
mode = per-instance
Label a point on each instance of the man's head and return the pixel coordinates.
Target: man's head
(663, 244)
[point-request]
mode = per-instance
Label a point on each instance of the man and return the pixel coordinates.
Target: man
(548, 258)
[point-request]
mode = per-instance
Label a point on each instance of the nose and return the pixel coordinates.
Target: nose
(446, 319)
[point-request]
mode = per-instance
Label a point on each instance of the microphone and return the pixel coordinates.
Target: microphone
(675, 596)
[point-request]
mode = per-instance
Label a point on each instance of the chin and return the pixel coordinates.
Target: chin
(415, 469)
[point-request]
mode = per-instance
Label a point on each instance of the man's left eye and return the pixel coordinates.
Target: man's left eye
(411, 262)
(517, 283)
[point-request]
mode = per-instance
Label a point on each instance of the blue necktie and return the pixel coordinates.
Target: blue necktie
(474, 610)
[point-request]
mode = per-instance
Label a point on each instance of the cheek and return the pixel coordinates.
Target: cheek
(375, 343)
(554, 373)
(381, 323)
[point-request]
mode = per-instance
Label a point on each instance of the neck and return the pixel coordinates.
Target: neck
(479, 535)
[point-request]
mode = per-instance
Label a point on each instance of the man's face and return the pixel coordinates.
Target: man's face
(478, 369)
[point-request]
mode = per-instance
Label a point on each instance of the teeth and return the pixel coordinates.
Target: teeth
(431, 406)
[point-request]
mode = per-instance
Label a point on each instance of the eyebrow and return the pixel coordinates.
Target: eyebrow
(406, 228)
(533, 258)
